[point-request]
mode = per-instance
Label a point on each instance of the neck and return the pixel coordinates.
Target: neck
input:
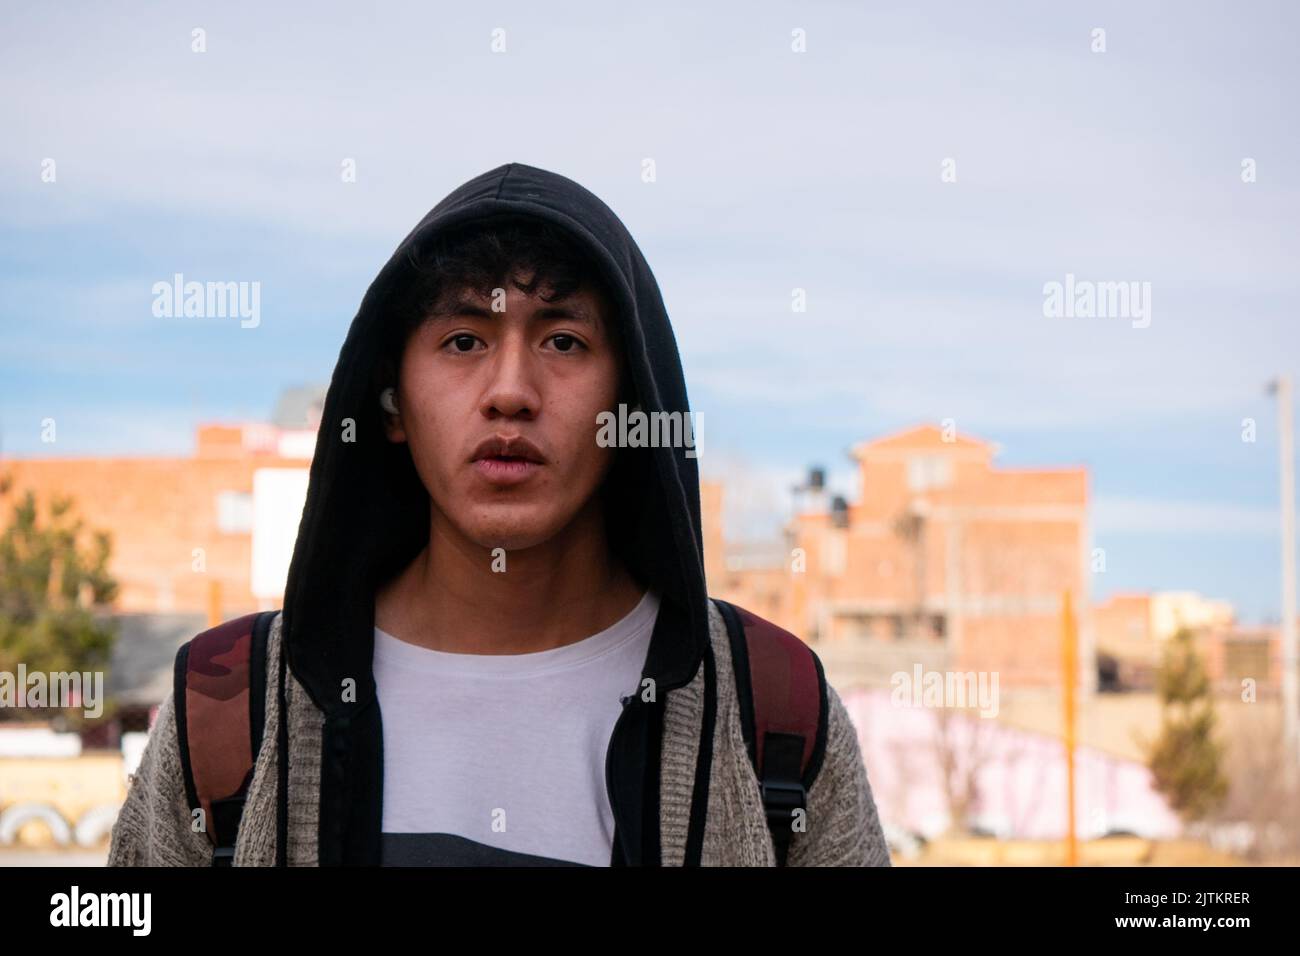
(451, 599)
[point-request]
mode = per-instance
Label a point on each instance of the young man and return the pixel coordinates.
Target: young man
(523, 603)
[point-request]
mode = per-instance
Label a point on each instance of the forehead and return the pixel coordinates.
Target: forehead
(586, 303)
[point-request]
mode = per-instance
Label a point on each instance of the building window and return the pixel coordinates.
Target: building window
(834, 552)
(234, 512)
(928, 471)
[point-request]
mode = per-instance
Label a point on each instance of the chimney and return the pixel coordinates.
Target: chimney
(839, 512)
(810, 497)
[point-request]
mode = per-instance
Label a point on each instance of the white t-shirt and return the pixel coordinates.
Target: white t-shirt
(499, 759)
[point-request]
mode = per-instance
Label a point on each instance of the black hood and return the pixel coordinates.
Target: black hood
(361, 524)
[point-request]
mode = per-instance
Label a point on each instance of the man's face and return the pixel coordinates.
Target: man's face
(532, 377)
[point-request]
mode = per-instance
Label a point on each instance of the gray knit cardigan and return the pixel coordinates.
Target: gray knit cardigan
(843, 828)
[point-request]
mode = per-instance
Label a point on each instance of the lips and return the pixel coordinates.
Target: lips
(500, 446)
(504, 460)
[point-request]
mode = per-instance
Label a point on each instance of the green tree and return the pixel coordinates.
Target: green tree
(1185, 758)
(50, 590)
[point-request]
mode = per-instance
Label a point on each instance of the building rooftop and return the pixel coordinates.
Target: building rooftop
(300, 406)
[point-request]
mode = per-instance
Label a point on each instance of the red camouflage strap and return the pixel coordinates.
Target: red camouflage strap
(217, 717)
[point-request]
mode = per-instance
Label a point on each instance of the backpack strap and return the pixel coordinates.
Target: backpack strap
(219, 692)
(781, 690)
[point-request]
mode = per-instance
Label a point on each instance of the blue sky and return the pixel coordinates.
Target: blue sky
(775, 170)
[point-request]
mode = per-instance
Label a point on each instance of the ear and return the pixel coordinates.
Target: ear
(392, 416)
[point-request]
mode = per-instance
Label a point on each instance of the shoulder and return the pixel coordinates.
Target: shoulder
(776, 680)
(153, 826)
(733, 630)
(843, 826)
(243, 652)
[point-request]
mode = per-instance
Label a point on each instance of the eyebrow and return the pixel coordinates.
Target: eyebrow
(466, 306)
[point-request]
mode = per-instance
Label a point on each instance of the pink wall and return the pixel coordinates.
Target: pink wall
(1021, 783)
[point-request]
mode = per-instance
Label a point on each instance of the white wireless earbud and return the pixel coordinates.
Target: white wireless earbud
(387, 400)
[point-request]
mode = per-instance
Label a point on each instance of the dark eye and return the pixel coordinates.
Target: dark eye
(565, 343)
(463, 343)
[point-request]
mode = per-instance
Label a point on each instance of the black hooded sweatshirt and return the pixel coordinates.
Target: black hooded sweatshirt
(366, 517)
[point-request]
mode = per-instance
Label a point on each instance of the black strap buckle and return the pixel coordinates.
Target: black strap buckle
(223, 856)
(781, 798)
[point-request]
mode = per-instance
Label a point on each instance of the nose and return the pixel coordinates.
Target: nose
(511, 390)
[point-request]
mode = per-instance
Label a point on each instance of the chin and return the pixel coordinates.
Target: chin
(512, 528)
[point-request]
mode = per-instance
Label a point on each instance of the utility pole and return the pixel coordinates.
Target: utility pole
(1281, 387)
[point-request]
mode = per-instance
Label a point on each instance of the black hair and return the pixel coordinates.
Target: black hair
(482, 256)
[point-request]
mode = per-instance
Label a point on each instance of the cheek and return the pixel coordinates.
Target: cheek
(585, 460)
(431, 419)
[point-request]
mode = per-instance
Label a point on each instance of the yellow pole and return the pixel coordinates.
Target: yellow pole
(1071, 674)
(214, 602)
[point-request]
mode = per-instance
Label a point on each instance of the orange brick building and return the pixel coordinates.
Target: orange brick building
(944, 559)
(206, 533)
(1134, 629)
